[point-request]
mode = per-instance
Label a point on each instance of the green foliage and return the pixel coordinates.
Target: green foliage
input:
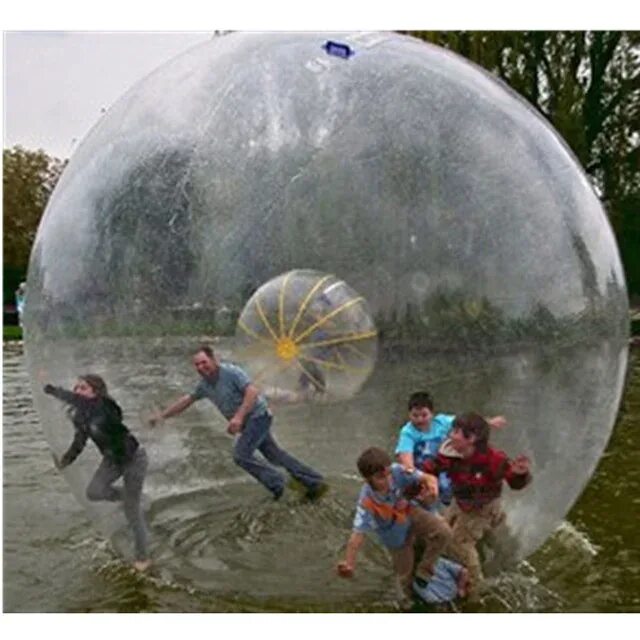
(10, 332)
(28, 180)
(12, 277)
(448, 320)
(587, 85)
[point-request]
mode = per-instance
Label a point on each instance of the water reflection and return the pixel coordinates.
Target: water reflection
(215, 529)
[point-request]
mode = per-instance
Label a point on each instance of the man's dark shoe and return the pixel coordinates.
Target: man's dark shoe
(277, 494)
(316, 491)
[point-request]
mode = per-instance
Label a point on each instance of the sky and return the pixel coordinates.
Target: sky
(57, 82)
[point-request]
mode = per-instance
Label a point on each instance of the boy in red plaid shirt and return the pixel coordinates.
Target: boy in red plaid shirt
(477, 472)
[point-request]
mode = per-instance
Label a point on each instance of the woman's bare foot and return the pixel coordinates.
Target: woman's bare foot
(463, 583)
(141, 565)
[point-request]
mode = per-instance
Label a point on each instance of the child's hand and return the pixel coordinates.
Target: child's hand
(426, 499)
(345, 570)
(520, 465)
(428, 489)
(412, 491)
(463, 583)
(497, 422)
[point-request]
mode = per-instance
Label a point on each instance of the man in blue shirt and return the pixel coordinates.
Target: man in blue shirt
(240, 402)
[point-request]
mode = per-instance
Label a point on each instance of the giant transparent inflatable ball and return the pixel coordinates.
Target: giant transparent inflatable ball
(350, 217)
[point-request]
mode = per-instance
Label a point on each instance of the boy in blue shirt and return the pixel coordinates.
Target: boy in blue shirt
(421, 437)
(386, 507)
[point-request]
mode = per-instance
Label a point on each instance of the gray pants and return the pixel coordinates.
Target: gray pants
(133, 472)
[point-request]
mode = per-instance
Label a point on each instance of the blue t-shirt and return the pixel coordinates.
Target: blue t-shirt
(443, 586)
(424, 445)
(227, 391)
(388, 515)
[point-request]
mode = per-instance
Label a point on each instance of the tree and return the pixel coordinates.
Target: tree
(587, 85)
(29, 178)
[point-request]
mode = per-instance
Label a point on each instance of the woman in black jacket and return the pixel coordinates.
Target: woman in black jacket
(97, 416)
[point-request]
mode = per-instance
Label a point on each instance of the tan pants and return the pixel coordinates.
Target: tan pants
(467, 529)
(434, 533)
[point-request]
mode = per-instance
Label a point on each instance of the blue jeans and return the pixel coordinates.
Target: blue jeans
(256, 435)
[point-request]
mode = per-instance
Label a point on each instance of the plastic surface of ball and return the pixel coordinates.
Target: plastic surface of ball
(486, 271)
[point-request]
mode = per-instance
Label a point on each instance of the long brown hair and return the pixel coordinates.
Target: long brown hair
(97, 383)
(99, 387)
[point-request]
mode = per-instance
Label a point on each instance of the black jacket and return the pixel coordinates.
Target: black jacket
(99, 419)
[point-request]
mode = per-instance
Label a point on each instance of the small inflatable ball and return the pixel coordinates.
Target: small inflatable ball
(309, 334)
(352, 217)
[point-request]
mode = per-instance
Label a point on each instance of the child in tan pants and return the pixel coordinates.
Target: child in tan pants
(477, 472)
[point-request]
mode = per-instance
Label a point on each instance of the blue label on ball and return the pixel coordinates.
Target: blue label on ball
(338, 49)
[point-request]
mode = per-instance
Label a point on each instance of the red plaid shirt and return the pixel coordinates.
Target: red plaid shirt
(477, 480)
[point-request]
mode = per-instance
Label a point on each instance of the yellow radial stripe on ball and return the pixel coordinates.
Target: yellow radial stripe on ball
(264, 319)
(305, 303)
(328, 317)
(352, 337)
(253, 334)
(281, 304)
(319, 383)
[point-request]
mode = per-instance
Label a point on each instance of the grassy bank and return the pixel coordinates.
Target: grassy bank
(14, 332)
(11, 332)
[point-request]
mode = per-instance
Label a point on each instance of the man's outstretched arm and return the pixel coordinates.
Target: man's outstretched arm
(174, 409)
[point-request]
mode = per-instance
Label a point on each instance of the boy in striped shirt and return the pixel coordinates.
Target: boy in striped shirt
(386, 507)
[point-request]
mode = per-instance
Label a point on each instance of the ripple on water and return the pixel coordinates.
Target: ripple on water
(234, 539)
(227, 547)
